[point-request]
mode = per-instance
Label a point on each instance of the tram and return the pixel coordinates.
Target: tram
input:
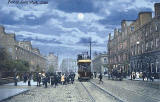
(84, 67)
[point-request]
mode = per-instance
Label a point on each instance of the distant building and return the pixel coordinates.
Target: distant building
(100, 63)
(69, 65)
(22, 50)
(52, 62)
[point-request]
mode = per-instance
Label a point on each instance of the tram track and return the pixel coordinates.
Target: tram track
(89, 94)
(106, 92)
(104, 96)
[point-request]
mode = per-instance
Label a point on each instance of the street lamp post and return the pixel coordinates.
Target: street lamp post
(137, 55)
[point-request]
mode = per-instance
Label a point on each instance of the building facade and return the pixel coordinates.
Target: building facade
(137, 47)
(22, 50)
(118, 48)
(100, 63)
(52, 62)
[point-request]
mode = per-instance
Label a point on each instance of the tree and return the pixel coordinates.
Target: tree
(8, 64)
(4, 57)
(3, 54)
(21, 66)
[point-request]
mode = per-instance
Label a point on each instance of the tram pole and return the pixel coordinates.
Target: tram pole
(90, 49)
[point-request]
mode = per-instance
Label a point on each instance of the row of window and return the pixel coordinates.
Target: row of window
(150, 45)
(145, 31)
(155, 27)
(154, 67)
(119, 58)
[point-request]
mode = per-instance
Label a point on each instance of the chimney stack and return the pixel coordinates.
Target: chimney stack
(109, 36)
(157, 9)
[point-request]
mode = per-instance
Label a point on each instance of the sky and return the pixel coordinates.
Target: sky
(66, 26)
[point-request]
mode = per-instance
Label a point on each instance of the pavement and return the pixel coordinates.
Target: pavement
(21, 83)
(6, 93)
(139, 81)
(9, 90)
(130, 91)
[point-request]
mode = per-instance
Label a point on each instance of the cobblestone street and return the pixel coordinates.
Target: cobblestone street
(130, 91)
(65, 93)
(109, 91)
(77, 92)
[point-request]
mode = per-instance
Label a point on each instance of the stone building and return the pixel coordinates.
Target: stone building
(145, 43)
(22, 50)
(52, 62)
(141, 49)
(100, 63)
(118, 47)
(68, 65)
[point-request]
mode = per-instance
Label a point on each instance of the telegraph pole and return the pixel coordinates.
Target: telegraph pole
(90, 46)
(90, 49)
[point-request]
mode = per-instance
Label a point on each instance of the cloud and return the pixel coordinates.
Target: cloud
(74, 5)
(118, 16)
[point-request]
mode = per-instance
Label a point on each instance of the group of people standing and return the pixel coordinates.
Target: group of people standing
(26, 78)
(143, 75)
(45, 78)
(53, 79)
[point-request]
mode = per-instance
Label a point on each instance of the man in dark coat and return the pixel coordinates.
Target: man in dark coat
(72, 78)
(95, 74)
(100, 78)
(39, 80)
(25, 77)
(143, 75)
(45, 82)
(29, 79)
(15, 80)
(52, 80)
(55, 80)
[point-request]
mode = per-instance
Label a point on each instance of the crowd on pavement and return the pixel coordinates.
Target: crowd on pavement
(54, 79)
(144, 75)
(46, 79)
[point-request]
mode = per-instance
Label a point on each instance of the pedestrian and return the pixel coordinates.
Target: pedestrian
(100, 78)
(25, 77)
(16, 80)
(39, 80)
(91, 76)
(134, 76)
(62, 79)
(72, 78)
(48, 78)
(29, 79)
(55, 80)
(68, 79)
(143, 75)
(45, 81)
(151, 77)
(147, 75)
(95, 74)
(52, 80)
